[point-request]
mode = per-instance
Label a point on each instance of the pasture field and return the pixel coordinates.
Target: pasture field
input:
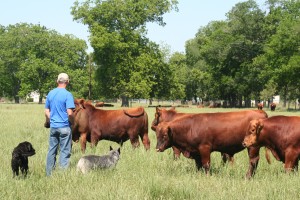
(138, 175)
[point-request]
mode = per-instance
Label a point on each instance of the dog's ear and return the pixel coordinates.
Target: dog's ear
(119, 150)
(29, 147)
(110, 148)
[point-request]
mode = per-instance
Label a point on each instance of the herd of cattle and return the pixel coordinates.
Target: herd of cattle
(194, 136)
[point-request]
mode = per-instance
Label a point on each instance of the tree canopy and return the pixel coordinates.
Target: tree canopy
(252, 54)
(248, 51)
(128, 63)
(32, 56)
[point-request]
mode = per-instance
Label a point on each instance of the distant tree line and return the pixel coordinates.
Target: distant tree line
(253, 54)
(31, 57)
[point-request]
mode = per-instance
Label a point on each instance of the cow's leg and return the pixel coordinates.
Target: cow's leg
(176, 152)
(291, 160)
(145, 139)
(134, 137)
(134, 141)
(83, 142)
(197, 159)
(94, 139)
(226, 157)
(253, 153)
(205, 151)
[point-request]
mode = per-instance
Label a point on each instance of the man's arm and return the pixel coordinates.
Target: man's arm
(47, 115)
(71, 116)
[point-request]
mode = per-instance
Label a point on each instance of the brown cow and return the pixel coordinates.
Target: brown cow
(273, 106)
(197, 135)
(281, 134)
(163, 115)
(260, 106)
(99, 104)
(92, 124)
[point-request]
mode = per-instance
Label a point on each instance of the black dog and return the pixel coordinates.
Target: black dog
(20, 156)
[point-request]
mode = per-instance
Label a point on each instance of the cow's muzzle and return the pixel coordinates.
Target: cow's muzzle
(245, 144)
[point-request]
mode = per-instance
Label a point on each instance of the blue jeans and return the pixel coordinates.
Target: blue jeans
(63, 138)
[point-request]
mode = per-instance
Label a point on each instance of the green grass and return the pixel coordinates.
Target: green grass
(138, 175)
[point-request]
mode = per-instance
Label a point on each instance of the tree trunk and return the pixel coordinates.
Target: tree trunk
(125, 101)
(284, 97)
(247, 103)
(17, 99)
(150, 101)
(240, 102)
(16, 90)
(41, 99)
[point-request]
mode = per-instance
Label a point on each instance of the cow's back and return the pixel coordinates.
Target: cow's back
(282, 128)
(223, 131)
(116, 124)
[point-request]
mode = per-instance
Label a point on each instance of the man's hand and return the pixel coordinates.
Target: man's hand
(47, 123)
(47, 115)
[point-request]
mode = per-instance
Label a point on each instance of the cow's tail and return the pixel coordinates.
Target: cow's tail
(268, 155)
(144, 132)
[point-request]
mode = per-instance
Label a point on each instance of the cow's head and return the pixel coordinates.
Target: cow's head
(163, 136)
(78, 115)
(160, 115)
(253, 132)
(155, 121)
(79, 104)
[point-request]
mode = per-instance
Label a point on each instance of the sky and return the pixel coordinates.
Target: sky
(180, 26)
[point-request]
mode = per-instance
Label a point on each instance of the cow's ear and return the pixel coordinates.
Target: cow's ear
(259, 127)
(157, 109)
(172, 108)
(81, 103)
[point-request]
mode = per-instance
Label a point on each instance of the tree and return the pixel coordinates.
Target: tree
(224, 50)
(179, 76)
(281, 53)
(126, 58)
(32, 57)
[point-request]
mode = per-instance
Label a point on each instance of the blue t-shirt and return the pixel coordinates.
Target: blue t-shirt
(58, 101)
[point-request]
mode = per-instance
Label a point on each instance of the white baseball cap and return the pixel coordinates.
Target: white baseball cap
(63, 77)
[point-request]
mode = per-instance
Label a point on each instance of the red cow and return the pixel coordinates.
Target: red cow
(280, 134)
(260, 106)
(197, 135)
(99, 104)
(92, 124)
(163, 115)
(273, 106)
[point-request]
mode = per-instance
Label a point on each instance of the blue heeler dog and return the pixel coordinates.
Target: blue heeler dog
(91, 162)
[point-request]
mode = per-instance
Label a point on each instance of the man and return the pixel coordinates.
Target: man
(59, 113)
